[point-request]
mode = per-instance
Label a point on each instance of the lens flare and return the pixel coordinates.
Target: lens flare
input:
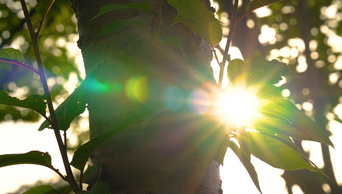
(237, 106)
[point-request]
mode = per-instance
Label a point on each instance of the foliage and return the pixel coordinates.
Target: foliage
(272, 138)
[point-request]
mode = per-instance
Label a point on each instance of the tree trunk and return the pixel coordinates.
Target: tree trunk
(134, 71)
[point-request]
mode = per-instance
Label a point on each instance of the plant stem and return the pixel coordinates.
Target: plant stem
(44, 16)
(42, 76)
(229, 40)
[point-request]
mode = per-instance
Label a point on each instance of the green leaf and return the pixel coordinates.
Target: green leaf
(72, 107)
(173, 41)
(146, 7)
(194, 15)
(282, 108)
(255, 4)
(274, 152)
(116, 25)
(92, 174)
(83, 153)
(236, 68)
(12, 54)
(100, 187)
(245, 158)
(279, 125)
(257, 71)
(34, 102)
(33, 157)
(46, 189)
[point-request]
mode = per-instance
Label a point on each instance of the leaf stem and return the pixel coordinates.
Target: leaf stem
(42, 76)
(19, 64)
(229, 40)
(43, 18)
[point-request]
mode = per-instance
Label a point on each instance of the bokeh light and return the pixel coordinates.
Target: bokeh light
(173, 98)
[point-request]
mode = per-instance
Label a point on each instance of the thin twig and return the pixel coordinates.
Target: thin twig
(42, 75)
(229, 40)
(43, 18)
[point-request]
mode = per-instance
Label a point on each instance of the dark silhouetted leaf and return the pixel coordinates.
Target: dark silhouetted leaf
(195, 16)
(34, 102)
(245, 158)
(100, 187)
(274, 152)
(83, 153)
(116, 25)
(146, 7)
(46, 189)
(92, 174)
(72, 107)
(33, 157)
(282, 108)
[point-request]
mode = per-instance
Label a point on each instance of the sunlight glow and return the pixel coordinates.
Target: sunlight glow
(238, 107)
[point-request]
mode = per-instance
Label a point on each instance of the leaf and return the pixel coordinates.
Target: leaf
(257, 71)
(282, 108)
(47, 189)
(83, 153)
(197, 17)
(146, 7)
(72, 107)
(245, 158)
(274, 152)
(255, 4)
(100, 187)
(34, 102)
(116, 25)
(92, 174)
(236, 68)
(280, 125)
(12, 54)
(33, 157)
(173, 41)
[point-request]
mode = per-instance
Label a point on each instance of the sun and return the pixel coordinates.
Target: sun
(237, 106)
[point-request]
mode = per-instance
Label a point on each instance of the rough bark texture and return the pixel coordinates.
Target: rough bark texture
(166, 151)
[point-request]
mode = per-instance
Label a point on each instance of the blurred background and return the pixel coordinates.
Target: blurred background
(305, 34)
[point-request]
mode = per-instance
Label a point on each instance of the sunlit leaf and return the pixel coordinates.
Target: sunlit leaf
(197, 17)
(280, 107)
(34, 102)
(83, 153)
(33, 157)
(245, 158)
(116, 25)
(146, 7)
(280, 125)
(257, 71)
(12, 54)
(42, 189)
(274, 152)
(72, 107)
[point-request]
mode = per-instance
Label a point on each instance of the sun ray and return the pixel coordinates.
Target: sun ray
(237, 106)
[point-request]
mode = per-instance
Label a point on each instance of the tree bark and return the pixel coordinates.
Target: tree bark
(171, 149)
